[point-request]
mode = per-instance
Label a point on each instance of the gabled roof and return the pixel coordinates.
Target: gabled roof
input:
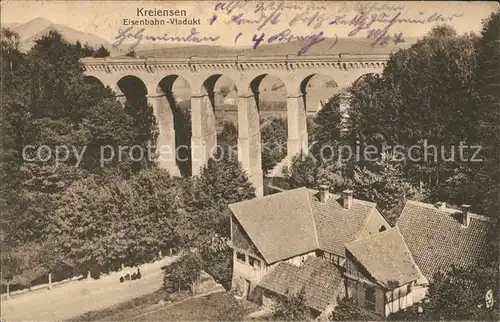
(280, 225)
(319, 279)
(386, 257)
(336, 225)
(437, 239)
(294, 222)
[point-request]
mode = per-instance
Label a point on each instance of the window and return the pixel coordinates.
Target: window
(255, 263)
(336, 260)
(370, 297)
(241, 257)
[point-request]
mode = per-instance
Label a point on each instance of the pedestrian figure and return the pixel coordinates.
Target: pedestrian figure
(134, 277)
(127, 277)
(138, 274)
(122, 279)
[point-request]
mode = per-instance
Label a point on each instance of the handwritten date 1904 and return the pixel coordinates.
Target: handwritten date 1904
(382, 37)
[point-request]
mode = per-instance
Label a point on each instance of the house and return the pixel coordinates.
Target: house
(292, 226)
(439, 237)
(333, 246)
(380, 273)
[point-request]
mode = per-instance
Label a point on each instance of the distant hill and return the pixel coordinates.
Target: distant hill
(34, 29)
(327, 46)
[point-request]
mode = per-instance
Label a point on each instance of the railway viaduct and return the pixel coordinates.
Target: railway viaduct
(157, 75)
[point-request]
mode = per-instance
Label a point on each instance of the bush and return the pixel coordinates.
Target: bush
(183, 273)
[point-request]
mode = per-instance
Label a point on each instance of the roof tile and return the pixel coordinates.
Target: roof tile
(319, 279)
(294, 222)
(438, 240)
(280, 225)
(386, 257)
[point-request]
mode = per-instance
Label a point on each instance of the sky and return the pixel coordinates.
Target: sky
(105, 18)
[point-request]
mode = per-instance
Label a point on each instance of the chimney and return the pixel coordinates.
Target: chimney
(347, 198)
(465, 215)
(323, 193)
(441, 205)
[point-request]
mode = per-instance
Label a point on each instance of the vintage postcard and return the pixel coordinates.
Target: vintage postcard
(249, 160)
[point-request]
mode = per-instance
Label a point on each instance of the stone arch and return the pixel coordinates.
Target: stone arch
(92, 80)
(362, 77)
(96, 88)
(260, 93)
(316, 89)
(172, 113)
(131, 89)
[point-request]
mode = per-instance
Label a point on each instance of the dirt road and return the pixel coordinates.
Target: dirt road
(76, 298)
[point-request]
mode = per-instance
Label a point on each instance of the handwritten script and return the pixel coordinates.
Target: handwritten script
(379, 22)
(272, 22)
(137, 35)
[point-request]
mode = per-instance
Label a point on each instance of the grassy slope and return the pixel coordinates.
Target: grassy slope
(214, 307)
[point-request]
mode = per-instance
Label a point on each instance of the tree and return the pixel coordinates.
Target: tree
(9, 45)
(348, 310)
(24, 263)
(457, 295)
(222, 181)
(416, 99)
(488, 100)
(442, 31)
(101, 52)
(302, 172)
(366, 106)
(184, 272)
(478, 183)
(329, 125)
(218, 261)
(383, 183)
(205, 225)
(128, 221)
(12, 266)
(292, 308)
(274, 141)
(227, 136)
(46, 101)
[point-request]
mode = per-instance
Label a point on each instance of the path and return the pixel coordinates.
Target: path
(76, 298)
